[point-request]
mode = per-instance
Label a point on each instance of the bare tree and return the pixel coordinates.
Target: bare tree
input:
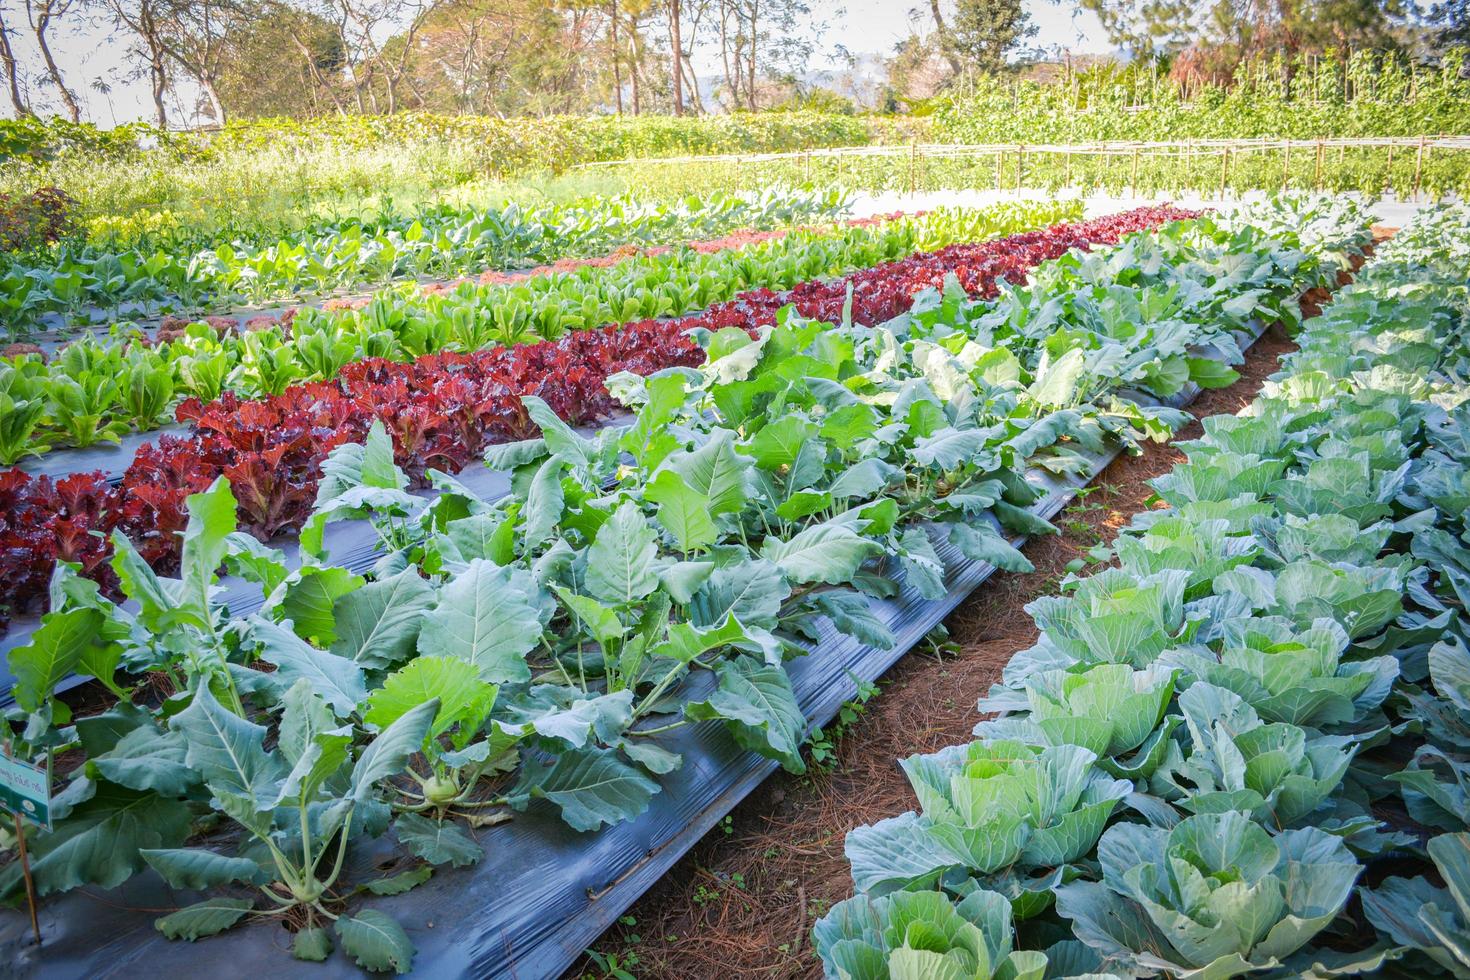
(42, 14)
(364, 27)
(946, 41)
(12, 69)
(615, 54)
(146, 20)
(677, 43)
(194, 36)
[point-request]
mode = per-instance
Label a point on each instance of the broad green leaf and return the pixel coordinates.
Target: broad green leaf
(948, 448)
(375, 942)
(510, 455)
(148, 759)
(804, 503)
(1209, 373)
(312, 945)
(378, 468)
(54, 652)
(378, 624)
(683, 510)
(324, 756)
(829, 553)
(620, 560)
(462, 696)
(99, 841)
(336, 680)
(484, 618)
(715, 471)
(757, 704)
(560, 438)
(591, 786)
(402, 882)
(206, 918)
(603, 623)
(206, 539)
(751, 591)
(865, 479)
(304, 715)
(686, 641)
(777, 444)
(979, 541)
(482, 536)
(191, 867)
(545, 502)
(390, 750)
(853, 615)
(682, 579)
(228, 751)
(308, 597)
(437, 841)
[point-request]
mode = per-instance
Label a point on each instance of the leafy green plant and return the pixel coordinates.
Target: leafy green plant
(923, 934)
(1217, 893)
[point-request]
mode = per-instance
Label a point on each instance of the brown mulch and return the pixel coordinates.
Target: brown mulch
(741, 904)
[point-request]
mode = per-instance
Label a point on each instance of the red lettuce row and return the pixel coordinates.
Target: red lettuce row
(443, 410)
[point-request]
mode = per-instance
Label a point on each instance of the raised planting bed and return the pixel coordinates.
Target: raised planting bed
(442, 409)
(598, 641)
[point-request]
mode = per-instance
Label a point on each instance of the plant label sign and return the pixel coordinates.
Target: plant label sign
(26, 790)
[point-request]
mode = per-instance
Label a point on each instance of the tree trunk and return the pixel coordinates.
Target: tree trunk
(616, 58)
(12, 72)
(319, 84)
(942, 32)
(43, 21)
(755, 12)
(158, 76)
(216, 106)
(678, 58)
(637, 72)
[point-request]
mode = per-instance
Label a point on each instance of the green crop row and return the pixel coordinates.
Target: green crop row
(1264, 695)
(81, 282)
(96, 390)
(536, 650)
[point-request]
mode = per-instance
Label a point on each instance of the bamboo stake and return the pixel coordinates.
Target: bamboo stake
(1418, 169)
(25, 860)
(1134, 179)
(1224, 171)
(1286, 166)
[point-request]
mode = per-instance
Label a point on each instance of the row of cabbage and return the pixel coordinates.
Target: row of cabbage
(543, 646)
(1244, 746)
(84, 281)
(96, 390)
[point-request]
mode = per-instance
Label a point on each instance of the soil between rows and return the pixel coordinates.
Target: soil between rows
(741, 904)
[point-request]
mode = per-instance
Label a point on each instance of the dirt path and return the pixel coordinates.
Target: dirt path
(742, 902)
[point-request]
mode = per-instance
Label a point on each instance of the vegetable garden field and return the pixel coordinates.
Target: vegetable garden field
(414, 595)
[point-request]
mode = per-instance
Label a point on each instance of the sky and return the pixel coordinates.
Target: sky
(89, 52)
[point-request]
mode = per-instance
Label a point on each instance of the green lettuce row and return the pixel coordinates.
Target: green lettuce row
(1190, 766)
(541, 647)
(81, 283)
(96, 390)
